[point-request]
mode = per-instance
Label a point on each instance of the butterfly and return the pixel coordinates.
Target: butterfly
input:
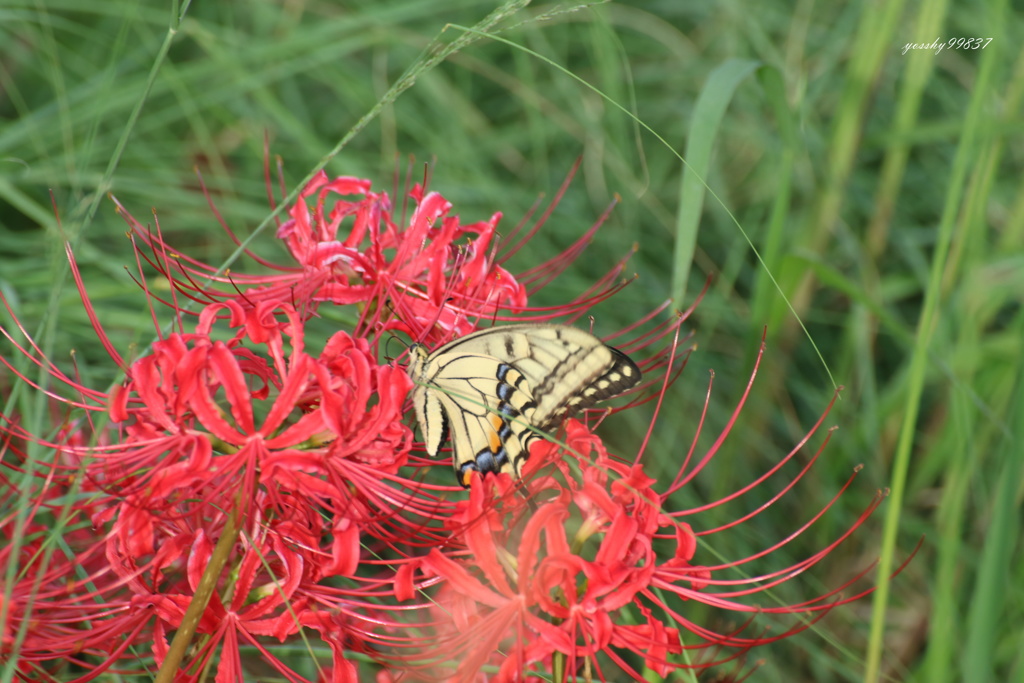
(494, 391)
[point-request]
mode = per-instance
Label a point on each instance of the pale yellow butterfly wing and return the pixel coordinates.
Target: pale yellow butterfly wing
(493, 391)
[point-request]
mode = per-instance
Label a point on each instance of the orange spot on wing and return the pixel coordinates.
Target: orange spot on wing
(493, 440)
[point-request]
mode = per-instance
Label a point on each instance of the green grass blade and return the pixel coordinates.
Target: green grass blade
(968, 151)
(704, 124)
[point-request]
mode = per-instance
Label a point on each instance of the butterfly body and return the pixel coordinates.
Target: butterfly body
(494, 391)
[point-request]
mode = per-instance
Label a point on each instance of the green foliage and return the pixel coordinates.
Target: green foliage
(861, 203)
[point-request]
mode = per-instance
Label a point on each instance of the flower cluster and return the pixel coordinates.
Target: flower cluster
(240, 489)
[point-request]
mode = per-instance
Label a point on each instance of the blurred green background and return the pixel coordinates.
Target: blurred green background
(880, 187)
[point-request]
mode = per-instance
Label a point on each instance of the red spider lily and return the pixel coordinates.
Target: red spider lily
(340, 529)
(204, 427)
(235, 413)
(438, 274)
(547, 597)
(578, 585)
